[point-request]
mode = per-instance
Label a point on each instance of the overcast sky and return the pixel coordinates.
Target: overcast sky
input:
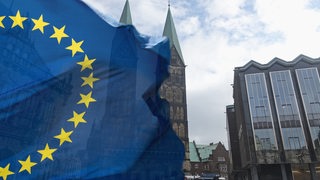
(218, 35)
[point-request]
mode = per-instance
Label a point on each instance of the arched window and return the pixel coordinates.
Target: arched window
(181, 131)
(171, 112)
(175, 128)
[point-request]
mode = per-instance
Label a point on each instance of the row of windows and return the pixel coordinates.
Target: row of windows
(222, 167)
(172, 94)
(260, 112)
(309, 85)
(288, 114)
(287, 110)
(177, 113)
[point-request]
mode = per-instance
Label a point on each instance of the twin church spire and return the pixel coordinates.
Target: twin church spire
(169, 28)
(172, 89)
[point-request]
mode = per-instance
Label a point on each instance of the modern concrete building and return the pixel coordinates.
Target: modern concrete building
(174, 88)
(274, 124)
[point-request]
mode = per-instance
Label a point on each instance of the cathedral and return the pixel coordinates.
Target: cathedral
(174, 87)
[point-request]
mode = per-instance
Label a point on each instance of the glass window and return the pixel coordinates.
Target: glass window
(266, 143)
(223, 168)
(309, 84)
(221, 159)
(294, 143)
(259, 106)
(287, 110)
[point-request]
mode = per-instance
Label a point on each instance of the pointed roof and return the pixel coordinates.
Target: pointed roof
(126, 14)
(206, 150)
(194, 154)
(201, 153)
(170, 32)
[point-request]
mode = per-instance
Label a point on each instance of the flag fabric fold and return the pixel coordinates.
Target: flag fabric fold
(79, 97)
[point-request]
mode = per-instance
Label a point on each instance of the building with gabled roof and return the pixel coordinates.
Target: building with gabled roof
(174, 87)
(209, 160)
(274, 123)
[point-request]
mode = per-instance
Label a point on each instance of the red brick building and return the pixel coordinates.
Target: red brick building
(210, 159)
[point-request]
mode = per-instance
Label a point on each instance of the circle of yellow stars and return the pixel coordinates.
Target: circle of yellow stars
(77, 117)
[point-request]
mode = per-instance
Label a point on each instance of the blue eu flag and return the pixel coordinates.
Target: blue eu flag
(79, 97)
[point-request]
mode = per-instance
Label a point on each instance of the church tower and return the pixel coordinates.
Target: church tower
(174, 87)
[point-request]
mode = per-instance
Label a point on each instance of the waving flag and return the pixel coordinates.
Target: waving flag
(79, 97)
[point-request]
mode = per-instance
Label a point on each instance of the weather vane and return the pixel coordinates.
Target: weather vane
(169, 3)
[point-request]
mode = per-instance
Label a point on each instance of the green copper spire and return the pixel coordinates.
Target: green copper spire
(170, 32)
(126, 14)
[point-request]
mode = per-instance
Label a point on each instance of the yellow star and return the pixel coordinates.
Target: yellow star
(59, 33)
(1, 19)
(17, 20)
(89, 80)
(86, 63)
(46, 153)
(75, 47)
(64, 136)
(5, 172)
(27, 165)
(39, 24)
(86, 99)
(77, 118)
